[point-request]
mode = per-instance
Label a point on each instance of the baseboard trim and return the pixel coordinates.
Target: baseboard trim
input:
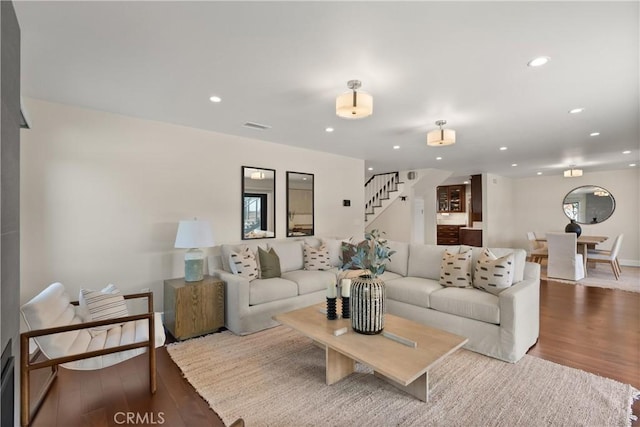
(629, 262)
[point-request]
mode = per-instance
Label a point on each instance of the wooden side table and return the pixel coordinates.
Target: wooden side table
(193, 308)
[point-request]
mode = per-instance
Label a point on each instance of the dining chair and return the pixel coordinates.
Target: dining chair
(611, 257)
(564, 262)
(537, 250)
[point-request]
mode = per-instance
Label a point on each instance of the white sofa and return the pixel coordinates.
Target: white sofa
(502, 326)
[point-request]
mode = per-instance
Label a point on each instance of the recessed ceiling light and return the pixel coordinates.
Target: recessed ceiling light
(328, 130)
(576, 110)
(514, 164)
(537, 62)
(594, 134)
(369, 169)
(215, 99)
(632, 164)
(438, 158)
(626, 152)
(503, 148)
(465, 182)
(396, 147)
(539, 173)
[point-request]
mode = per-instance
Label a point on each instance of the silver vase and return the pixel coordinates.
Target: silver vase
(367, 305)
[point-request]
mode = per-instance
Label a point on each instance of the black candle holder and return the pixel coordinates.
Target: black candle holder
(331, 309)
(346, 312)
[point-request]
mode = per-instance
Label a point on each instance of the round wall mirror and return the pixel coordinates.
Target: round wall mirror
(588, 204)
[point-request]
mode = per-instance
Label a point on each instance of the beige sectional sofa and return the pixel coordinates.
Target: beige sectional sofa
(503, 326)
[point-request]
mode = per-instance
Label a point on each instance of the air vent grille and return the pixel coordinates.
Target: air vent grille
(258, 126)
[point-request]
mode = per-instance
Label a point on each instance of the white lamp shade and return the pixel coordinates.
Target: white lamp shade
(348, 108)
(572, 173)
(194, 234)
(441, 137)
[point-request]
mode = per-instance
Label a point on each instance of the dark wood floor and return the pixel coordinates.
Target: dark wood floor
(593, 329)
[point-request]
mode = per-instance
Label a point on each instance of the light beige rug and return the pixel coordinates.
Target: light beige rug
(602, 277)
(276, 378)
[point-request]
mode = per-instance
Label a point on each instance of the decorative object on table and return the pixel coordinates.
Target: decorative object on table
(332, 296)
(345, 286)
(367, 292)
(573, 227)
(193, 235)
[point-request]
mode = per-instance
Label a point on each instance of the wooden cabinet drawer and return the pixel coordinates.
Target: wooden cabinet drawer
(448, 234)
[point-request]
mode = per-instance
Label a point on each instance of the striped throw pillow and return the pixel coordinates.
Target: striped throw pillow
(455, 269)
(316, 258)
(244, 263)
(494, 274)
(102, 305)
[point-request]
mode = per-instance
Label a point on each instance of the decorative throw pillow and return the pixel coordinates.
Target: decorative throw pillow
(455, 269)
(316, 258)
(102, 305)
(244, 263)
(494, 274)
(349, 250)
(269, 263)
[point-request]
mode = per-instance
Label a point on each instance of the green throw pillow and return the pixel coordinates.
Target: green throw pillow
(269, 263)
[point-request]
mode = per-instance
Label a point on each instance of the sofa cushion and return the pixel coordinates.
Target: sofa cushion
(245, 263)
(520, 258)
(455, 269)
(493, 274)
(424, 260)
(266, 290)
(269, 263)
(290, 254)
(310, 281)
(412, 290)
(316, 258)
(225, 251)
(389, 275)
(334, 247)
(470, 303)
(399, 261)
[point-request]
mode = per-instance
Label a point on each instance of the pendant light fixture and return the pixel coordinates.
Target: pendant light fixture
(440, 137)
(354, 104)
(572, 173)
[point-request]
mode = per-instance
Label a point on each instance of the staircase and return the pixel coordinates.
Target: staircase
(379, 192)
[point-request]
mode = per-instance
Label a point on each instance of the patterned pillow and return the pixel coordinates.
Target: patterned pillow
(455, 269)
(102, 305)
(244, 263)
(349, 250)
(269, 263)
(316, 258)
(494, 274)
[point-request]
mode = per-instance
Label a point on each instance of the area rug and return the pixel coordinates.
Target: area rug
(602, 277)
(276, 378)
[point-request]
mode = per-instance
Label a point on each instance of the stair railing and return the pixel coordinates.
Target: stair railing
(377, 188)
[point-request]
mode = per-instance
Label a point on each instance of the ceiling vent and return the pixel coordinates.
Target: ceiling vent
(258, 126)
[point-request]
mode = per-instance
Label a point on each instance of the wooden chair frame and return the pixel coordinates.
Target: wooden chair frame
(26, 365)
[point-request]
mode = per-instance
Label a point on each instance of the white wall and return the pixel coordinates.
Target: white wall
(102, 195)
(538, 207)
(498, 212)
(395, 221)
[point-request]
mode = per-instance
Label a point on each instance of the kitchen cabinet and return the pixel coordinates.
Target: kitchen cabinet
(451, 198)
(476, 198)
(471, 237)
(448, 234)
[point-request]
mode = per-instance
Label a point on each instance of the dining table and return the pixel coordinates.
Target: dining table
(584, 244)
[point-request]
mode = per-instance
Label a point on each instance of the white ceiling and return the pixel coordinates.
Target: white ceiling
(283, 63)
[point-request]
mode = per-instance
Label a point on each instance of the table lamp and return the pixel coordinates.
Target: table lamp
(192, 235)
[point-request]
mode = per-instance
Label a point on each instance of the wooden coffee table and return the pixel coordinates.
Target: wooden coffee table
(404, 366)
